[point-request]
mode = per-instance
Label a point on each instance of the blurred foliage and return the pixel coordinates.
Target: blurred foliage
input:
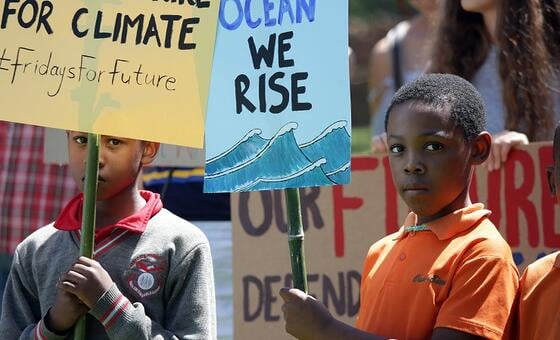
(361, 136)
(368, 8)
(372, 8)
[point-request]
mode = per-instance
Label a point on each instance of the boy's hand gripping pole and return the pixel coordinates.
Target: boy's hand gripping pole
(295, 239)
(88, 213)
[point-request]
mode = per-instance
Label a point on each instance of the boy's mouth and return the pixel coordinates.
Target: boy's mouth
(414, 188)
(99, 179)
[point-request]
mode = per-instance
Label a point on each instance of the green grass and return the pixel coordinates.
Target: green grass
(361, 137)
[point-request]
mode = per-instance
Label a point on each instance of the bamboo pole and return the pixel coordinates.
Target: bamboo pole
(295, 239)
(88, 213)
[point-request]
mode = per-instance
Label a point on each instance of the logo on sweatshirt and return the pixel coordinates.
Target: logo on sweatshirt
(145, 274)
(429, 278)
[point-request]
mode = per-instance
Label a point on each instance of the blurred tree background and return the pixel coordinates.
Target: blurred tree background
(369, 21)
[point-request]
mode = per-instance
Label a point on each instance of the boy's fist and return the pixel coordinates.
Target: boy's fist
(65, 312)
(306, 318)
(87, 280)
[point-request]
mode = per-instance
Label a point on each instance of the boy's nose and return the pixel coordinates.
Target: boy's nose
(417, 170)
(101, 157)
(415, 167)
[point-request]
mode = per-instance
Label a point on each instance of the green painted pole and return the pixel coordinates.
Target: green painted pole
(295, 239)
(88, 213)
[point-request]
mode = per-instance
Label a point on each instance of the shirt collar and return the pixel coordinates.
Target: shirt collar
(452, 224)
(70, 217)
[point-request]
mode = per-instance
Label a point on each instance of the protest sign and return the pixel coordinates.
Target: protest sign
(279, 108)
(342, 222)
(137, 69)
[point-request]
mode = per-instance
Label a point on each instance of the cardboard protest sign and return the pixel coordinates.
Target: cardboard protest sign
(137, 69)
(279, 108)
(342, 222)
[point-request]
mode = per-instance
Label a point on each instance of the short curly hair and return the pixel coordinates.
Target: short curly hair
(446, 92)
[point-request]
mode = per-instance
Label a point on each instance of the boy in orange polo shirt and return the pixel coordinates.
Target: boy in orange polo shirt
(539, 287)
(447, 273)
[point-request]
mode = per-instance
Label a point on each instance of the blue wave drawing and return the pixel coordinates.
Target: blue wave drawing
(251, 144)
(328, 144)
(299, 179)
(340, 175)
(257, 163)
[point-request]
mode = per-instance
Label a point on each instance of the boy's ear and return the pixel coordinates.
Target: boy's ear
(149, 152)
(551, 181)
(481, 147)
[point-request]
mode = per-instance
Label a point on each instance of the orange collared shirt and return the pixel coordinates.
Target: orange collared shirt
(459, 274)
(539, 303)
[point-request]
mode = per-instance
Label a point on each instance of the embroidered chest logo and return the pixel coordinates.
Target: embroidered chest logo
(145, 274)
(429, 278)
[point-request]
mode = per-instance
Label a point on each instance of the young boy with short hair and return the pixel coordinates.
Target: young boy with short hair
(447, 273)
(539, 287)
(151, 273)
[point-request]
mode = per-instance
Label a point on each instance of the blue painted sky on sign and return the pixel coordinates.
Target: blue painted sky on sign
(303, 136)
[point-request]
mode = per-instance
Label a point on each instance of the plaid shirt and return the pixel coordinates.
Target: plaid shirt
(31, 193)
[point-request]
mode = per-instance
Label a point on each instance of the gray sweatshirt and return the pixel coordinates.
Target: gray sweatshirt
(163, 283)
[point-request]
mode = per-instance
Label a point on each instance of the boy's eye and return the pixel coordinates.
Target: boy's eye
(396, 148)
(114, 142)
(80, 139)
(434, 147)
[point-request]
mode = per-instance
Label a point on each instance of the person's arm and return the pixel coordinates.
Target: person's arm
(21, 310)
(502, 143)
(190, 309)
(20, 307)
(64, 313)
(379, 69)
(352, 63)
(308, 319)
